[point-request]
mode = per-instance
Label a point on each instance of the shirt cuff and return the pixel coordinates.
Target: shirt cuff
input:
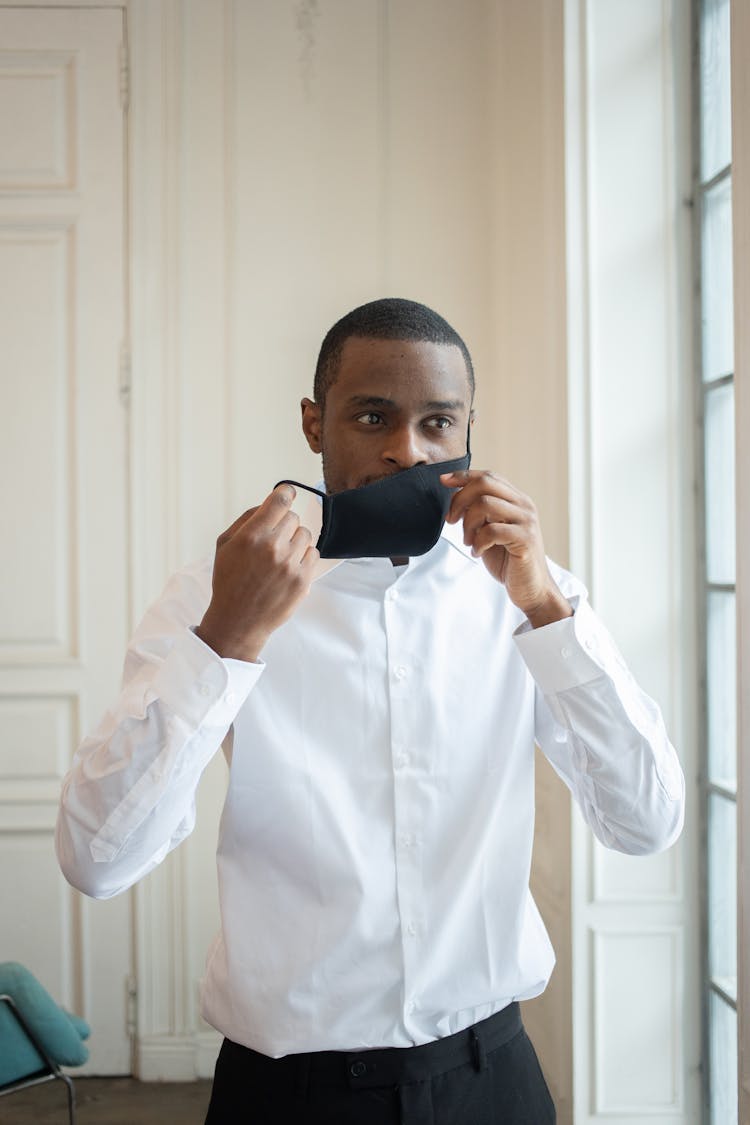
(568, 653)
(200, 687)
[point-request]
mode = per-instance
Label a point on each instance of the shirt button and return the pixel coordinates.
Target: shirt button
(204, 689)
(229, 698)
(392, 594)
(407, 840)
(565, 653)
(411, 929)
(411, 1006)
(400, 672)
(357, 1069)
(402, 761)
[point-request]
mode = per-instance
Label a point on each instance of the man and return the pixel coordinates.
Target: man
(377, 930)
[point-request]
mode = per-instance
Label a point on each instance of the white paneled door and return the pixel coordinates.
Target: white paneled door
(63, 500)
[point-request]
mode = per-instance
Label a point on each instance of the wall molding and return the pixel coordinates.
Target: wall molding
(164, 1045)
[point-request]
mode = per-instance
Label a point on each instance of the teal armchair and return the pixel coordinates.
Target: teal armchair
(37, 1037)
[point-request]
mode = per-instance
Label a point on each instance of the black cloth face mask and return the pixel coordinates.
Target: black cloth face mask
(399, 516)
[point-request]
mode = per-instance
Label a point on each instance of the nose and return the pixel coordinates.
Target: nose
(403, 449)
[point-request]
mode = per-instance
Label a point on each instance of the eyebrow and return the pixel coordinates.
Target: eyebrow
(377, 400)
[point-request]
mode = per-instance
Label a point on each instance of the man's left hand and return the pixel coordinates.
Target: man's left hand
(502, 528)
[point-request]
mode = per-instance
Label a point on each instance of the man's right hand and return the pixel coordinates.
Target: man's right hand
(263, 568)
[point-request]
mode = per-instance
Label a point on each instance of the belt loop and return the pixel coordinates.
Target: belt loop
(478, 1052)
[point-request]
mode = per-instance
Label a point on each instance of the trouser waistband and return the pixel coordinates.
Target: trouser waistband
(403, 1065)
(396, 1066)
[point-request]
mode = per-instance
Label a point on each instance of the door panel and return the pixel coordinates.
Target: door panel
(63, 505)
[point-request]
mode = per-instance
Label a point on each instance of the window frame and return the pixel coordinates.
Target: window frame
(702, 389)
(740, 64)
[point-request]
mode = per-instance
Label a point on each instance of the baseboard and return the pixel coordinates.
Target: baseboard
(173, 1058)
(207, 1044)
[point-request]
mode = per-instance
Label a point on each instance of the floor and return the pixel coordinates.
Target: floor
(109, 1101)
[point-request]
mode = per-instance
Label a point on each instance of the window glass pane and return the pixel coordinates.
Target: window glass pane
(716, 140)
(722, 893)
(723, 1063)
(716, 282)
(722, 694)
(719, 468)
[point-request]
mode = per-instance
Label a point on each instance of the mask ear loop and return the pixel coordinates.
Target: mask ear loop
(309, 521)
(323, 565)
(298, 484)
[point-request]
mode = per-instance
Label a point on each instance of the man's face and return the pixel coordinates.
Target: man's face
(394, 404)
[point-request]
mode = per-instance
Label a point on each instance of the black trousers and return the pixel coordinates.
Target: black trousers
(486, 1075)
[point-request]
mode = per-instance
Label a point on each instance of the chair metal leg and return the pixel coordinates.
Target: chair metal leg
(71, 1096)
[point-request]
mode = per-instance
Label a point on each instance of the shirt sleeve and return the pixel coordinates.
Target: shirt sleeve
(129, 797)
(603, 735)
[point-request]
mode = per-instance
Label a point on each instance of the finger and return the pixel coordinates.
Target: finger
(310, 558)
(462, 477)
(275, 506)
(484, 484)
(496, 535)
(458, 482)
(489, 509)
(287, 527)
(230, 531)
(300, 542)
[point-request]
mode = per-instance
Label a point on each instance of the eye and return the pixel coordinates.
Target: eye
(441, 422)
(370, 418)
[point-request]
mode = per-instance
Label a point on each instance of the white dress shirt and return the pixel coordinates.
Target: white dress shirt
(375, 844)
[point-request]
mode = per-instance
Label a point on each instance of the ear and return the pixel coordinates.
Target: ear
(312, 423)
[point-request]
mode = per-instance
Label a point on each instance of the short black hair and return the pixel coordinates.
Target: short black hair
(390, 318)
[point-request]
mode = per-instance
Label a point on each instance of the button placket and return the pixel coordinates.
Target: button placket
(408, 860)
(408, 880)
